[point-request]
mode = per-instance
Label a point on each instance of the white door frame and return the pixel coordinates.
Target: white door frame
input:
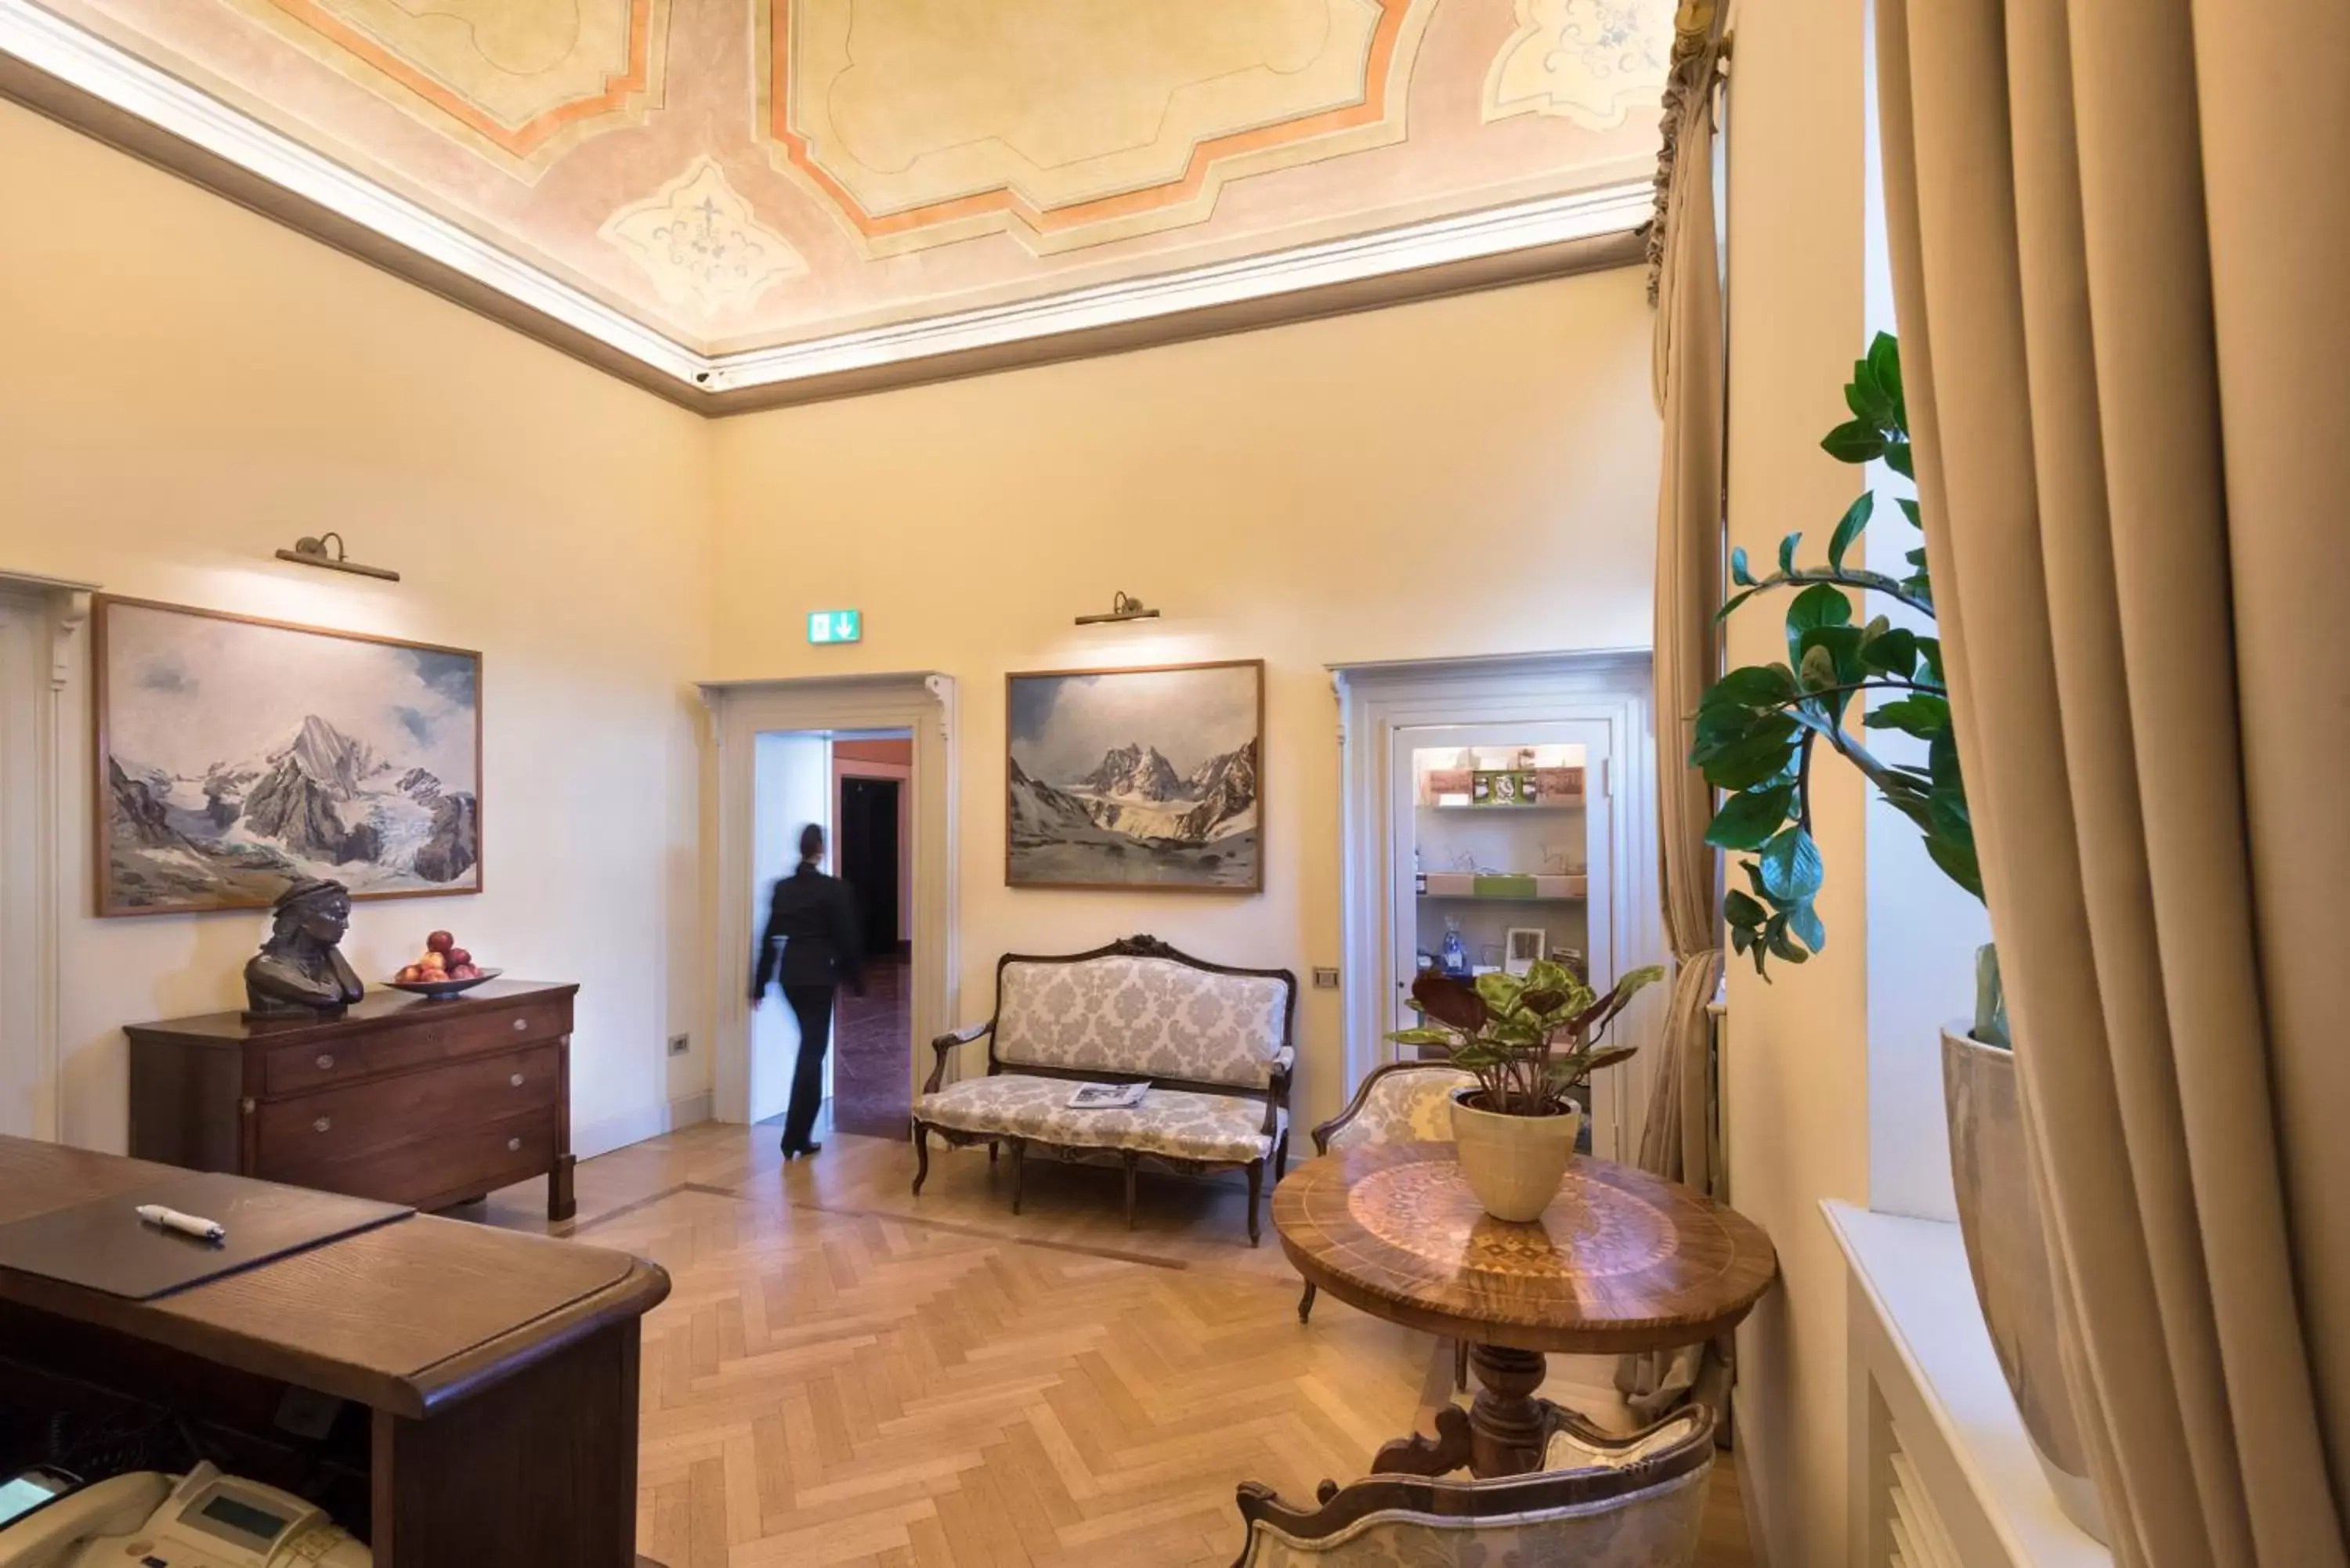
(921, 701)
(1611, 688)
(33, 891)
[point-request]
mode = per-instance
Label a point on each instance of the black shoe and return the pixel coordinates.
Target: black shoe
(803, 1151)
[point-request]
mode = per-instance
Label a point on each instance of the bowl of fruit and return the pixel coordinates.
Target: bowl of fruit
(443, 972)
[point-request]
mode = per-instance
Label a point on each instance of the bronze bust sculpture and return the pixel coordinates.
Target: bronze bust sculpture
(298, 972)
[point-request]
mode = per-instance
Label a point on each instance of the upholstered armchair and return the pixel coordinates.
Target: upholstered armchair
(1597, 1503)
(1400, 1103)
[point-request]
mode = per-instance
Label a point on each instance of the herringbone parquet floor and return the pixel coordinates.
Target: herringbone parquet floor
(845, 1374)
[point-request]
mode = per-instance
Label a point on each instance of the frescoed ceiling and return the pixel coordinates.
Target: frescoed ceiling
(739, 176)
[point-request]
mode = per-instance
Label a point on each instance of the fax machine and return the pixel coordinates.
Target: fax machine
(148, 1519)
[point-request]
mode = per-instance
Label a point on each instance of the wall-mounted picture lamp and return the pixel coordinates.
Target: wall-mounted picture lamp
(1121, 609)
(312, 552)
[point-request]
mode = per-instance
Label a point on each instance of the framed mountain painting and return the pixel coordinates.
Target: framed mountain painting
(1135, 778)
(237, 756)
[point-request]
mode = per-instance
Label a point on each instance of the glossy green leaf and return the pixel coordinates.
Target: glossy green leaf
(1765, 754)
(1755, 685)
(1822, 603)
(1866, 399)
(1897, 459)
(1804, 925)
(1739, 573)
(1848, 527)
(1957, 860)
(1791, 865)
(1919, 715)
(1787, 554)
(1854, 442)
(1746, 820)
(1893, 651)
(1737, 909)
(1885, 370)
(1909, 509)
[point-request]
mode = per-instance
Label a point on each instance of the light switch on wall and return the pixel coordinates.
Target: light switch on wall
(679, 1044)
(1324, 979)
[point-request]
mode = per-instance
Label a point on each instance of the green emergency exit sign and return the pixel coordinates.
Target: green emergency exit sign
(837, 625)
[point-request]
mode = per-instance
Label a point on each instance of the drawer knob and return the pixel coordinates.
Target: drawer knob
(521, 1024)
(515, 1080)
(322, 1124)
(326, 1062)
(514, 1145)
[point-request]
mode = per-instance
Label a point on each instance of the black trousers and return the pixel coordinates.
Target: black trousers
(812, 1005)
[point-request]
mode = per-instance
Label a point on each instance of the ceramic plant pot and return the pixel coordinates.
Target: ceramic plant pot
(1513, 1163)
(2000, 1219)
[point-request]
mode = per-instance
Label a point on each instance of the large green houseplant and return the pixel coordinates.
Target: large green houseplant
(1760, 726)
(1759, 729)
(1530, 1041)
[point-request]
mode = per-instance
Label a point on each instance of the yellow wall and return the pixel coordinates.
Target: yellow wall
(184, 388)
(1470, 475)
(1794, 1074)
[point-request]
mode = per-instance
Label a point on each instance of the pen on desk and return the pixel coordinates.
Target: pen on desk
(203, 1230)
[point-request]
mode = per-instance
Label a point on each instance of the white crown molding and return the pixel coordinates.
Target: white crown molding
(104, 71)
(1613, 208)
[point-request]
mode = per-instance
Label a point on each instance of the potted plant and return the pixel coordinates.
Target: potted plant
(1531, 1040)
(1758, 730)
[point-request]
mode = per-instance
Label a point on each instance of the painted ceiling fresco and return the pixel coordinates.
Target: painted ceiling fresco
(741, 173)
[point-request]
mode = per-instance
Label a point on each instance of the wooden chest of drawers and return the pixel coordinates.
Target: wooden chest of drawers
(426, 1102)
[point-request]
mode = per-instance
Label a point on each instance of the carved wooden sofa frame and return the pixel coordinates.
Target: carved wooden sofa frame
(1276, 1095)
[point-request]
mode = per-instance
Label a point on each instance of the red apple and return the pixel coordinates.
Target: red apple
(459, 958)
(465, 971)
(439, 942)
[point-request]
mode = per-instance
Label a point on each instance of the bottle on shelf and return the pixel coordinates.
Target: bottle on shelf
(1455, 957)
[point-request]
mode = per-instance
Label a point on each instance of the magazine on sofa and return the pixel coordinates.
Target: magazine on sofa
(1107, 1097)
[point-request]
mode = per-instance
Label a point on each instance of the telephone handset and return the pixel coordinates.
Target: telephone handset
(204, 1520)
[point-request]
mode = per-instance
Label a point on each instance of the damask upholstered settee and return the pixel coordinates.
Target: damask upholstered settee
(1214, 1043)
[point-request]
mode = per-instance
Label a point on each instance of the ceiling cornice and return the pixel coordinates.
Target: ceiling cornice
(84, 81)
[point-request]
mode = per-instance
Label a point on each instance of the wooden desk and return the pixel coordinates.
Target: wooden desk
(1620, 1262)
(497, 1371)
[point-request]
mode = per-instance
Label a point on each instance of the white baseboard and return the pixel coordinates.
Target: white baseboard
(635, 1127)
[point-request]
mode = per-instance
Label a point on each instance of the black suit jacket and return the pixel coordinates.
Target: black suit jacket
(811, 936)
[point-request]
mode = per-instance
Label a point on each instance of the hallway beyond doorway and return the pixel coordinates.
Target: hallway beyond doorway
(871, 1091)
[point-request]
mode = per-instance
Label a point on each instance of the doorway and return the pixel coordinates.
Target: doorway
(1506, 803)
(820, 723)
(872, 1089)
(39, 685)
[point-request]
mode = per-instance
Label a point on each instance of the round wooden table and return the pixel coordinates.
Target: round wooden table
(1620, 1262)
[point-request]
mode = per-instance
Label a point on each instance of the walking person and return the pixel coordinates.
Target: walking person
(812, 946)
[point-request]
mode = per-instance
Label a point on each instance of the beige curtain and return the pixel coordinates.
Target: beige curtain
(2119, 230)
(1677, 1140)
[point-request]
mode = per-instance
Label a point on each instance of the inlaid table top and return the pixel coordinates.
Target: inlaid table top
(1620, 1262)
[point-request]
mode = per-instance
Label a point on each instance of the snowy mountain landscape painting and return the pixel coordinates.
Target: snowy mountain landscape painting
(1123, 778)
(237, 756)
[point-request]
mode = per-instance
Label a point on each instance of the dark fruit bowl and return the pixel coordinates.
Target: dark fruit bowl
(442, 990)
